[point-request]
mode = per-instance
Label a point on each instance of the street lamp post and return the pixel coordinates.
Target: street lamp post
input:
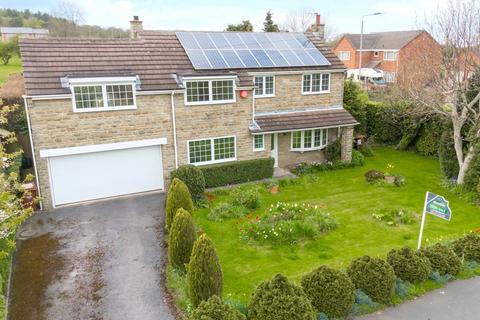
(361, 44)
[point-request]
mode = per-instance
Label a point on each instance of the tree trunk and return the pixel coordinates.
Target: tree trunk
(465, 165)
(458, 143)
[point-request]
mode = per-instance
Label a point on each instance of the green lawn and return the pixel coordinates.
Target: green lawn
(14, 66)
(351, 202)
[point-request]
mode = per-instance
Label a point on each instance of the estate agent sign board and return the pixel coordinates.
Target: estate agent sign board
(437, 206)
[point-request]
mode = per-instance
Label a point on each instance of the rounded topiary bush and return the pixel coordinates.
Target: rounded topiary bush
(178, 197)
(373, 176)
(181, 239)
(215, 309)
(443, 259)
(468, 247)
(330, 291)
(204, 274)
(373, 276)
(193, 177)
(409, 265)
(278, 299)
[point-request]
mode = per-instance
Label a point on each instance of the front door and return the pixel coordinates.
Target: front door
(274, 148)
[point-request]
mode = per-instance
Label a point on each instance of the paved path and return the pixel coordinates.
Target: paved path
(459, 300)
(100, 260)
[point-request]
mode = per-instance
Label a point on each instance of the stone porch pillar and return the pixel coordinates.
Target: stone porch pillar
(347, 143)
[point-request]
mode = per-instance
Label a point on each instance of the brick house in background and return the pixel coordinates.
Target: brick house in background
(109, 117)
(396, 53)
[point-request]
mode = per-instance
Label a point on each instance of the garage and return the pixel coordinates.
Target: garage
(100, 171)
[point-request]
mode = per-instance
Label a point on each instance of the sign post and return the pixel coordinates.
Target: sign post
(437, 206)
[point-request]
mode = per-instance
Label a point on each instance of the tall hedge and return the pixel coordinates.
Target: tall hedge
(472, 176)
(178, 197)
(215, 309)
(373, 276)
(237, 172)
(330, 291)
(181, 239)
(204, 274)
(409, 265)
(279, 299)
(443, 259)
(192, 176)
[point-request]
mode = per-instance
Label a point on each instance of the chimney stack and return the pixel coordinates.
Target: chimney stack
(135, 27)
(318, 29)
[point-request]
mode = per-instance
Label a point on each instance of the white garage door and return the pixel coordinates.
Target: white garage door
(95, 175)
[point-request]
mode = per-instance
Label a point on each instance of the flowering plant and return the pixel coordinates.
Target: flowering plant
(286, 223)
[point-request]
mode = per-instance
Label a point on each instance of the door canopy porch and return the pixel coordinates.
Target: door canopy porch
(326, 117)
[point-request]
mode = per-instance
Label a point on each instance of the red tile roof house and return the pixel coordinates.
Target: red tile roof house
(114, 117)
(393, 52)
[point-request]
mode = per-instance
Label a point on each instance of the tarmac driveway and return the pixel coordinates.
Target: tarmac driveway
(100, 260)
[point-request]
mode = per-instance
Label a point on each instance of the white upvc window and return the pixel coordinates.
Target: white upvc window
(209, 91)
(344, 55)
(211, 150)
(103, 97)
(314, 83)
(264, 86)
(258, 142)
(307, 140)
(390, 55)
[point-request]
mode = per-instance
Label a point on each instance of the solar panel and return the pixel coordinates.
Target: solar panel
(232, 50)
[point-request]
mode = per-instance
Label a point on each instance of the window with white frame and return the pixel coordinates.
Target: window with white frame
(390, 55)
(344, 55)
(264, 86)
(98, 97)
(390, 76)
(211, 150)
(309, 139)
(209, 91)
(258, 142)
(316, 83)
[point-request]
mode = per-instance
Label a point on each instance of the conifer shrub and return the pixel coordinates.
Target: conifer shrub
(468, 247)
(443, 259)
(409, 265)
(204, 274)
(181, 239)
(279, 299)
(333, 151)
(373, 276)
(178, 197)
(215, 309)
(193, 177)
(330, 291)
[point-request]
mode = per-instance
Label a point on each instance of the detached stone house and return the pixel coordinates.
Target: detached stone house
(395, 52)
(115, 117)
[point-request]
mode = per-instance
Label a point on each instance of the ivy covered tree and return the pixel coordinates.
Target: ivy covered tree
(269, 25)
(355, 101)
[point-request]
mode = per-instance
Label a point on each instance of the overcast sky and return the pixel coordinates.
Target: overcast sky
(341, 15)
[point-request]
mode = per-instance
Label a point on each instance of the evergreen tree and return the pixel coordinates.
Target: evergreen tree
(178, 197)
(268, 25)
(181, 239)
(204, 275)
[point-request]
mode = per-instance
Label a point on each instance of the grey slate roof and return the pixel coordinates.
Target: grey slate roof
(309, 119)
(157, 58)
(393, 40)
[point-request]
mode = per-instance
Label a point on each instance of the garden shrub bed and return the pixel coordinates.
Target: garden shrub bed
(237, 172)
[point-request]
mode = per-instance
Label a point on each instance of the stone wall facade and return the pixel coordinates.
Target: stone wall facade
(347, 143)
(288, 95)
(55, 125)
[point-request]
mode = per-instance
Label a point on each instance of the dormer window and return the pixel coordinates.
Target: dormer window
(102, 94)
(201, 91)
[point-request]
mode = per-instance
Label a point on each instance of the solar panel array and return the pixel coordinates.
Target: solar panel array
(233, 50)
